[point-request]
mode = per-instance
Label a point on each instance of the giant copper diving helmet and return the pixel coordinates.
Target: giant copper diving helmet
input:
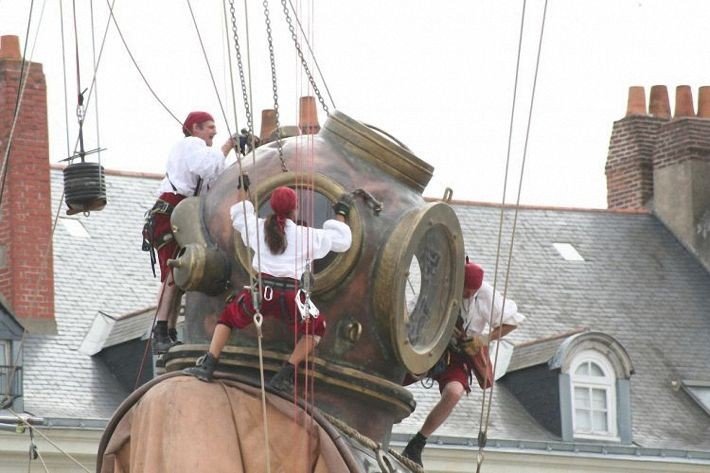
(390, 302)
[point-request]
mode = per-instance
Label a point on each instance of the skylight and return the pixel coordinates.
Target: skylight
(568, 252)
(74, 227)
(700, 392)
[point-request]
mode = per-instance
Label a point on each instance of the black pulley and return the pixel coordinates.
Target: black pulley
(84, 187)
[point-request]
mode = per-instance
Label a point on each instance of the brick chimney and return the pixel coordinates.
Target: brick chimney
(663, 164)
(629, 167)
(26, 268)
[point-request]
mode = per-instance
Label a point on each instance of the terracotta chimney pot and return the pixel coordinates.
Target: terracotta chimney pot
(683, 102)
(308, 116)
(704, 102)
(10, 47)
(636, 104)
(268, 124)
(659, 105)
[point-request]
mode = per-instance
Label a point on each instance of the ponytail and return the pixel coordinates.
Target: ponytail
(275, 234)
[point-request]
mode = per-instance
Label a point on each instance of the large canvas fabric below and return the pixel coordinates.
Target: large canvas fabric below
(185, 425)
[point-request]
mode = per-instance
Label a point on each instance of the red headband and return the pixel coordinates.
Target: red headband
(473, 276)
(193, 118)
(283, 201)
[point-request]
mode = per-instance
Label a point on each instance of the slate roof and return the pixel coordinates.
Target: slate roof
(105, 272)
(637, 284)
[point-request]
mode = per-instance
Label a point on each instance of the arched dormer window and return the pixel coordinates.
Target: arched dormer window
(593, 384)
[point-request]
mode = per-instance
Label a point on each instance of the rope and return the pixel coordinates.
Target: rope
(135, 64)
(313, 56)
(258, 320)
(209, 68)
(300, 55)
(48, 440)
(24, 72)
(482, 433)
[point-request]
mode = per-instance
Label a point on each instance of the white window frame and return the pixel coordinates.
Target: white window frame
(607, 383)
(5, 363)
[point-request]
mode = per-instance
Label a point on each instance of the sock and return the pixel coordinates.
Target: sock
(419, 438)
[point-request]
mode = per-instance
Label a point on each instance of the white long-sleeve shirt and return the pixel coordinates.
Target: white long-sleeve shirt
(477, 311)
(303, 243)
(189, 160)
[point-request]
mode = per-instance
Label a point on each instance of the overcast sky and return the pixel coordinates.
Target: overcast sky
(438, 75)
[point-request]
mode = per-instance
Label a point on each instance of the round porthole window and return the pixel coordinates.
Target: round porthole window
(316, 196)
(419, 285)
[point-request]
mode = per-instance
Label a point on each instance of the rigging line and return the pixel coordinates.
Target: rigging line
(520, 185)
(274, 86)
(259, 336)
(87, 99)
(254, 280)
(522, 171)
(231, 76)
(505, 187)
(64, 75)
(135, 64)
(39, 455)
(48, 440)
(246, 95)
(24, 72)
(251, 126)
(209, 67)
(94, 80)
(297, 45)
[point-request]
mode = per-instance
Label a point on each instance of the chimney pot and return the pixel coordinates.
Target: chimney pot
(636, 104)
(10, 47)
(684, 102)
(268, 124)
(704, 102)
(308, 116)
(659, 105)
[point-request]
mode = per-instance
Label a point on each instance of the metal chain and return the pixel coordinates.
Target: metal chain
(273, 85)
(240, 65)
(303, 60)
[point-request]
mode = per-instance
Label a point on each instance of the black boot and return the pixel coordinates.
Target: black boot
(414, 448)
(161, 342)
(203, 369)
(283, 380)
(173, 335)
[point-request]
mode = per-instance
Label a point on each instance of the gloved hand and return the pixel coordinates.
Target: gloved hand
(473, 345)
(343, 205)
(243, 182)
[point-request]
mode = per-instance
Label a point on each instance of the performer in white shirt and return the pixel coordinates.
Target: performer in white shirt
(279, 258)
(468, 353)
(193, 166)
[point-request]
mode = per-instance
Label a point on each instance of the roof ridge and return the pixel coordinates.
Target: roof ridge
(641, 211)
(566, 334)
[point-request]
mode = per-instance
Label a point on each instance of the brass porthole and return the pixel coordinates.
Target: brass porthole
(419, 285)
(330, 271)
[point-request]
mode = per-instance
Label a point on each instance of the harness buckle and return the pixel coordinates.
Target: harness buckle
(306, 307)
(268, 293)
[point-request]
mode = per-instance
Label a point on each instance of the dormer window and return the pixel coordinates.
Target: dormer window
(593, 396)
(10, 360)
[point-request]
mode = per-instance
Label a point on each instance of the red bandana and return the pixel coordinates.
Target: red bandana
(193, 118)
(283, 202)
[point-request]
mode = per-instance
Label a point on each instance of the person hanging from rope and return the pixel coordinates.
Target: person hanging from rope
(193, 166)
(467, 353)
(281, 267)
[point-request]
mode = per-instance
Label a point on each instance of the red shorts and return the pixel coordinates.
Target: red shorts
(161, 225)
(457, 370)
(239, 312)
